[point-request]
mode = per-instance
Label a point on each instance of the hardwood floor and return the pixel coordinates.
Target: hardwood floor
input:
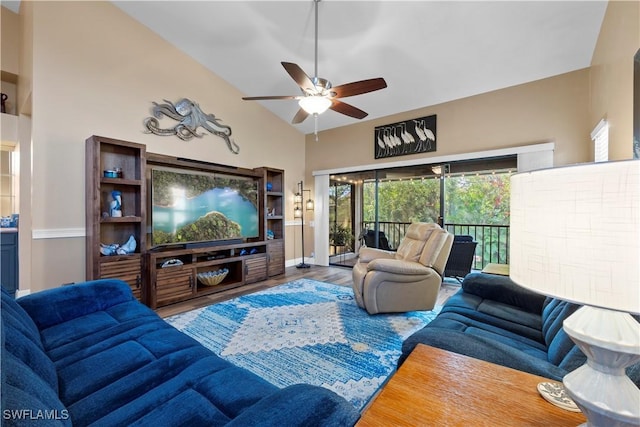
(336, 275)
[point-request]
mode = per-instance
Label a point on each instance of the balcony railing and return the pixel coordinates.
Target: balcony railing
(493, 240)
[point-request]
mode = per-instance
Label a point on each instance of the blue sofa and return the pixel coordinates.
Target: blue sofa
(493, 319)
(90, 354)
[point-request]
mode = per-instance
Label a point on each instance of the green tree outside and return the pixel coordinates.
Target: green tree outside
(340, 224)
(410, 200)
(477, 199)
(469, 199)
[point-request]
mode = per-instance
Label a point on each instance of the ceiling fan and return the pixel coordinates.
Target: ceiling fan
(317, 93)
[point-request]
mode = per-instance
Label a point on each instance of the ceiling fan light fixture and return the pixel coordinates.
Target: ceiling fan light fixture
(314, 104)
(318, 94)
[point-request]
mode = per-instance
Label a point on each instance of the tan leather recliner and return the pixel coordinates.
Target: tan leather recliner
(408, 279)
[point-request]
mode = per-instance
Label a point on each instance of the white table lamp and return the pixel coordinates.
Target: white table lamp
(575, 235)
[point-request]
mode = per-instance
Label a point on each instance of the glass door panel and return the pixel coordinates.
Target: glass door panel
(396, 198)
(341, 222)
(477, 204)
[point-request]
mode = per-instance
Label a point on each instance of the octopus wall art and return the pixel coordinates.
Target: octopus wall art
(190, 117)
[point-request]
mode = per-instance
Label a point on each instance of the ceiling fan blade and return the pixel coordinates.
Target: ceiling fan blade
(349, 110)
(357, 88)
(300, 116)
(298, 75)
(260, 98)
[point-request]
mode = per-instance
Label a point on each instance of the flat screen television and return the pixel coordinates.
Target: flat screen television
(196, 206)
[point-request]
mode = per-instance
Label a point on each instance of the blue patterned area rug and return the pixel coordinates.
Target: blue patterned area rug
(306, 331)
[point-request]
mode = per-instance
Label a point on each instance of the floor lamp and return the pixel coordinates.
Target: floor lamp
(575, 235)
(298, 212)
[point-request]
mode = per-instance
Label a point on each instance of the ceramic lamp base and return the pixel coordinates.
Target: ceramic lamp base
(600, 388)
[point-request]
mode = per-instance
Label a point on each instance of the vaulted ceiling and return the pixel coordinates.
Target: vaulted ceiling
(428, 52)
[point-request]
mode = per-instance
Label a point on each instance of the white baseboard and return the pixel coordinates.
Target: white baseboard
(350, 255)
(22, 292)
(58, 233)
(296, 261)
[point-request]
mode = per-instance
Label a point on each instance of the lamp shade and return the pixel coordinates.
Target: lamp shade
(575, 233)
(314, 104)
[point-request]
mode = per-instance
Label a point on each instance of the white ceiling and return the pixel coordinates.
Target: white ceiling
(429, 52)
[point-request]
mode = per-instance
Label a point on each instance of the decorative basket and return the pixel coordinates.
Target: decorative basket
(213, 278)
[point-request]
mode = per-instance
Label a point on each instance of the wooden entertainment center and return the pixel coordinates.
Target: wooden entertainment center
(167, 274)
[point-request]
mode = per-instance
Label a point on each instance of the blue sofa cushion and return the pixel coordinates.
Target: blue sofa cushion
(105, 359)
(121, 363)
(272, 411)
(22, 339)
(27, 399)
(502, 289)
(75, 302)
(74, 337)
(493, 319)
(558, 343)
(495, 313)
(463, 323)
(221, 389)
(20, 321)
(482, 347)
(27, 396)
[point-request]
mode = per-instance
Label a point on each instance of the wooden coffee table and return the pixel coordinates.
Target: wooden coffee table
(434, 387)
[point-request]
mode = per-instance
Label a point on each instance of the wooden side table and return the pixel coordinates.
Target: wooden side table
(500, 269)
(434, 387)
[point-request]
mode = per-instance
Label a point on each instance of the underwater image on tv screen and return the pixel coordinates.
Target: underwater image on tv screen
(199, 206)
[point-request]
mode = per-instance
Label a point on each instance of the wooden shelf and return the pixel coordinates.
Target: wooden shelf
(255, 260)
(179, 283)
(121, 181)
(273, 211)
(121, 219)
(102, 154)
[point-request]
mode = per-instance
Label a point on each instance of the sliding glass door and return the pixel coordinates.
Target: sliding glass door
(341, 215)
(374, 208)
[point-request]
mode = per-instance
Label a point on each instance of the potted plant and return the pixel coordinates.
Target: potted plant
(340, 235)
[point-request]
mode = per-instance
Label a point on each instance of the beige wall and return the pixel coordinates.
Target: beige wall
(25, 82)
(563, 109)
(9, 29)
(612, 75)
(9, 64)
(96, 71)
(16, 60)
(553, 109)
(93, 70)
(16, 55)
(549, 110)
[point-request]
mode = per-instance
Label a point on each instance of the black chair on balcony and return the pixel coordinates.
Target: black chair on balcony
(461, 257)
(369, 237)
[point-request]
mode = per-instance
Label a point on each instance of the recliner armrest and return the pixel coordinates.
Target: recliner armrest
(369, 254)
(398, 266)
(504, 290)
